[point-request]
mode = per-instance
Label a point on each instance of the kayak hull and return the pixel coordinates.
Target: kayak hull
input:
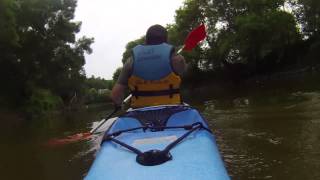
(195, 158)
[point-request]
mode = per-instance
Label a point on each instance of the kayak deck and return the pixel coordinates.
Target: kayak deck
(196, 157)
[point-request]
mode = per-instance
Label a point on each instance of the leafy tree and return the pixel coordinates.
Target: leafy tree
(40, 50)
(307, 13)
(242, 31)
(98, 83)
(9, 62)
(246, 37)
(8, 34)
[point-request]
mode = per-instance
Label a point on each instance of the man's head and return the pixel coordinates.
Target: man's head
(156, 34)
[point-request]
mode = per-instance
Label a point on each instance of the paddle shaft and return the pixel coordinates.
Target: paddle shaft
(105, 120)
(180, 50)
(116, 109)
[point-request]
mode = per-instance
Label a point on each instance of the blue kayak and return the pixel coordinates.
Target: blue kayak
(158, 143)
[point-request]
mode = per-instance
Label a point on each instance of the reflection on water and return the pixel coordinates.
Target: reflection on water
(23, 150)
(262, 136)
(269, 137)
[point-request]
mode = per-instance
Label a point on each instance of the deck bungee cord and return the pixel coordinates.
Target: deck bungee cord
(154, 156)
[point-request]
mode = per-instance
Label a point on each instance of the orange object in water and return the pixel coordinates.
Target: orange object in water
(80, 136)
(69, 139)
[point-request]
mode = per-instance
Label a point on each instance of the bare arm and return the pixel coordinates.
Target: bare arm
(178, 64)
(118, 93)
(121, 85)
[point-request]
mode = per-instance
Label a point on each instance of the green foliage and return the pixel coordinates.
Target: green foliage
(257, 36)
(243, 32)
(97, 90)
(8, 34)
(39, 50)
(188, 17)
(246, 37)
(97, 96)
(313, 53)
(307, 13)
(41, 101)
(98, 83)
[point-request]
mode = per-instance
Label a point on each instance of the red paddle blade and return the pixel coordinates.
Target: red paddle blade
(69, 139)
(194, 37)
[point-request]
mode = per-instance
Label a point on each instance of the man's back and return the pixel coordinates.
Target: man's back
(153, 72)
(177, 62)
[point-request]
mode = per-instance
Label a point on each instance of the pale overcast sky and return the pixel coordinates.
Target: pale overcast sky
(113, 23)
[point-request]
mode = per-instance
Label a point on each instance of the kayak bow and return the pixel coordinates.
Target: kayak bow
(158, 143)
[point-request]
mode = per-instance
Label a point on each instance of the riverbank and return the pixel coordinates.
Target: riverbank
(294, 80)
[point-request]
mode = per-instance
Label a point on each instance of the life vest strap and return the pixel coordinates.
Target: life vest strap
(168, 92)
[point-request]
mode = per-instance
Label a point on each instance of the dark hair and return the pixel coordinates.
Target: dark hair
(156, 34)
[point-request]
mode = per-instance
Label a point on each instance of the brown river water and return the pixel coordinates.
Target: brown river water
(264, 133)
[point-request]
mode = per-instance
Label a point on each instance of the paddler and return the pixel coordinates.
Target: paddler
(152, 73)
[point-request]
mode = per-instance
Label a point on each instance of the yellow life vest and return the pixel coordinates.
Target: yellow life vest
(153, 81)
